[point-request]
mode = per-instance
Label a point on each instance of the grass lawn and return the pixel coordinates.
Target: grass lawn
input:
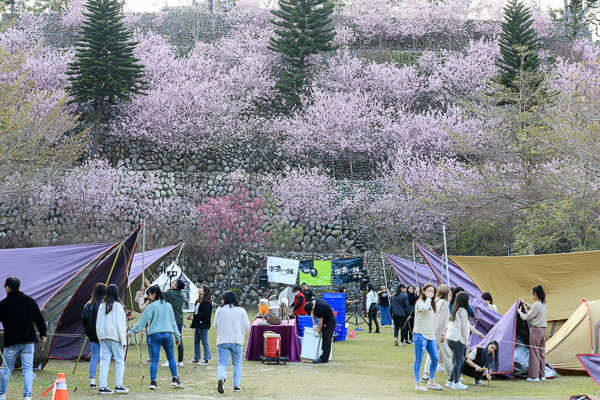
(366, 367)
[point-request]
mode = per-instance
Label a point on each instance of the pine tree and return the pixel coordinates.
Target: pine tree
(105, 70)
(304, 32)
(518, 43)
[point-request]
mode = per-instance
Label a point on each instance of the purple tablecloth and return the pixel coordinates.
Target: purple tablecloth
(290, 345)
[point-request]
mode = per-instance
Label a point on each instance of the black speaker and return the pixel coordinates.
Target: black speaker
(365, 281)
(263, 280)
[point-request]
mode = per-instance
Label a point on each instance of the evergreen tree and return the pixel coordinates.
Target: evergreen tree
(105, 70)
(518, 43)
(304, 32)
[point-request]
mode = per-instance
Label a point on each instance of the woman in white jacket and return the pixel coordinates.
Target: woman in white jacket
(111, 328)
(372, 307)
(232, 325)
(459, 330)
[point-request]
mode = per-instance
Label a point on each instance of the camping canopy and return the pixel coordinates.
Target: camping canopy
(405, 270)
(566, 278)
(578, 335)
(51, 275)
(458, 277)
(111, 270)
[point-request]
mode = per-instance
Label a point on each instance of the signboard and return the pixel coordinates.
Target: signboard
(315, 273)
(282, 270)
(342, 270)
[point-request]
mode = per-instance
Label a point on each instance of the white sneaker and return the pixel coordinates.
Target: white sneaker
(166, 364)
(440, 368)
(479, 383)
(204, 362)
(542, 379)
(27, 398)
(459, 386)
(533, 379)
(2, 396)
(425, 378)
(421, 388)
(180, 364)
(448, 384)
(434, 386)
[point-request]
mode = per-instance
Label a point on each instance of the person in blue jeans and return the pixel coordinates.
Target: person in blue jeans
(232, 325)
(161, 328)
(88, 319)
(201, 324)
(384, 306)
(424, 337)
(18, 313)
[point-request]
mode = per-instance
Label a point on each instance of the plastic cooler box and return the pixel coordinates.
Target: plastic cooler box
(272, 344)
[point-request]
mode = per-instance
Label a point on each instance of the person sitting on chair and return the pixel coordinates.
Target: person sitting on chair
(318, 308)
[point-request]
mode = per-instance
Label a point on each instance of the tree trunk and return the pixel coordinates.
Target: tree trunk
(351, 166)
(566, 14)
(97, 128)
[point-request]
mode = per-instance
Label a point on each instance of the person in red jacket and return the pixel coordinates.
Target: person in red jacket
(299, 302)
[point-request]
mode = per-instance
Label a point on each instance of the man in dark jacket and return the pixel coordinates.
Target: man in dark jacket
(400, 312)
(18, 313)
(307, 292)
(175, 298)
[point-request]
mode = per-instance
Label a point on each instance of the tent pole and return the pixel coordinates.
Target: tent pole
(107, 280)
(415, 265)
(383, 267)
(446, 255)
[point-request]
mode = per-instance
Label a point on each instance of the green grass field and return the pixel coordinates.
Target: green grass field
(366, 367)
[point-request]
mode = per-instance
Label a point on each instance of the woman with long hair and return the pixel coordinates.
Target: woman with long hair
(536, 316)
(111, 328)
(400, 313)
(88, 319)
(489, 302)
(162, 327)
(455, 292)
(232, 325)
(482, 361)
(425, 309)
(201, 324)
(384, 305)
(412, 300)
(457, 336)
(372, 307)
(442, 297)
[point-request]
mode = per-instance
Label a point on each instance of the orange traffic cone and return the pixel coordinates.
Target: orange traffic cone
(60, 388)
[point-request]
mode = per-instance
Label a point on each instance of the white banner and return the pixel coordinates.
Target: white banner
(282, 270)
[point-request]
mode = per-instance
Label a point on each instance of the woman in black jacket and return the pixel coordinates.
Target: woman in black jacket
(400, 313)
(88, 318)
(201, 324)
(412, 300)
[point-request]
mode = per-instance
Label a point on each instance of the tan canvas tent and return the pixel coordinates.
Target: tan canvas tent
(566, 278)
(579, 335)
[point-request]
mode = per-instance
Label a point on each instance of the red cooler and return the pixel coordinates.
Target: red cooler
(272, 344)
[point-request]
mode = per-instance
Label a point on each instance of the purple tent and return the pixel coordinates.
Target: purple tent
(112, 269)
(405, 270)
(51, 275)
(512, 335)
(458, 277)
(505, 333)
(485, 319)
(591, 363)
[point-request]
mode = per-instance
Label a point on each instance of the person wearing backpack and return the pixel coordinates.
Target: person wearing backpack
(88, 319)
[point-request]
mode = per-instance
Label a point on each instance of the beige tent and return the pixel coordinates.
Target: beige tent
(579, 335)
(566, 278)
